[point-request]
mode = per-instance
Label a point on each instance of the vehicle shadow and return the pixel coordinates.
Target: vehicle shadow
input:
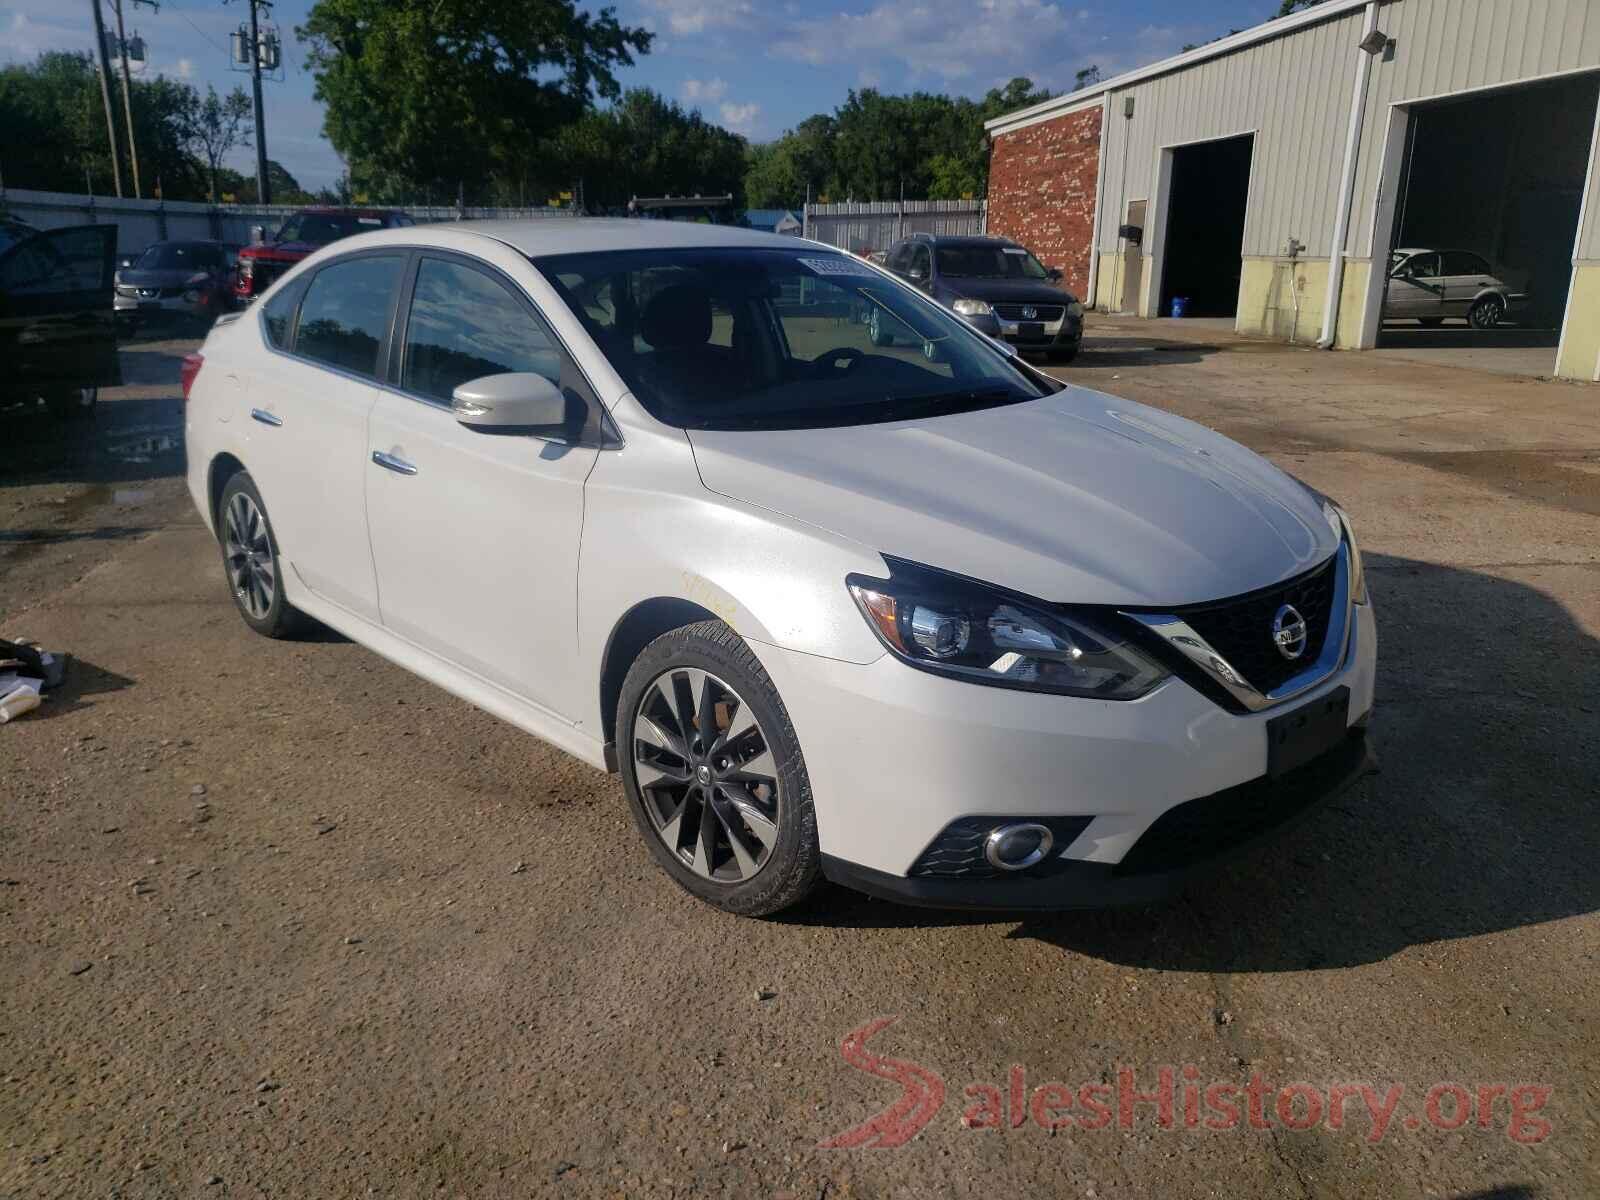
(1464, 337)
(1100, 352)
(1480, 820)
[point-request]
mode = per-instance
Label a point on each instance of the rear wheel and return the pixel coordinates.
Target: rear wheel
(713, 772)
(1486, 312)
(250, 559)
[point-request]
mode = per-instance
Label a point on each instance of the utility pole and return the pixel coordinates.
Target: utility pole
(105, 93)
(263, 188)
(127, 94)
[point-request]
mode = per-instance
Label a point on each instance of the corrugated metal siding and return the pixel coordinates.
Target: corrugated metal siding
(1293, 93)
(1444, 46)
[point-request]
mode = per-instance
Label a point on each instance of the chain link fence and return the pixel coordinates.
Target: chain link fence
(868, 226)
(140, 222)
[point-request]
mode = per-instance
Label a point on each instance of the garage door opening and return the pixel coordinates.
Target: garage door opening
(1487, 213)
(1202, 252)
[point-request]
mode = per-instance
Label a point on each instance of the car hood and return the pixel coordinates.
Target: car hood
(157, 277)
(1078, 497)
(1007, 291)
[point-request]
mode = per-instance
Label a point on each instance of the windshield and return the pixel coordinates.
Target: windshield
(178, 256)
(989, 262)
(780, 339)
(321, 228)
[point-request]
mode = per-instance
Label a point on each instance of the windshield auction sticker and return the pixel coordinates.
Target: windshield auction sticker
(837, 266)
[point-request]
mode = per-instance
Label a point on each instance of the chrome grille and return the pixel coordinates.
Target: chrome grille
(1042, 312)
(1240, 629)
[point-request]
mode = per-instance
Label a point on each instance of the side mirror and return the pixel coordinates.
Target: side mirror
(517, 402)
(1054, 274)
(258, 234)
(917, 275)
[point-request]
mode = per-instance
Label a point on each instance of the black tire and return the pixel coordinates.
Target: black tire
(277, 618)
(1486, 312)
(793, 864)
(1430, 322)
(876, 333)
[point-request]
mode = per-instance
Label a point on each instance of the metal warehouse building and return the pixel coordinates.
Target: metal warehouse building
(1272, 176)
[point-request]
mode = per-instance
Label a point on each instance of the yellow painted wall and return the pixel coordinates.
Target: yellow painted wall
(1352, 303)
(1580, 346)
(1105, 282)
(1268, 291)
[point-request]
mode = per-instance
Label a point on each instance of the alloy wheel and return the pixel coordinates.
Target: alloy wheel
(248, 551)
(706, 774)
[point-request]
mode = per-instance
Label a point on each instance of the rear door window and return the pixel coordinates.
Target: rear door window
(1463, 262)
(345, 315)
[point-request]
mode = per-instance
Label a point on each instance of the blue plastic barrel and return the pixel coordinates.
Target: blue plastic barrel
(1180, 306)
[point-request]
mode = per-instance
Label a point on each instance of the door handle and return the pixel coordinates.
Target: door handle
(390, 463)
(266, 418)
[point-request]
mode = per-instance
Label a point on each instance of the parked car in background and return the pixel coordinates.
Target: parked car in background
(175, 282)
(919, 618)
(303, 234)
(997, 286)
(58, 342)
(1431, 286)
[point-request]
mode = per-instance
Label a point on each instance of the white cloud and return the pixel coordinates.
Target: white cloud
(740, 118)
(698, 16)
(709, 90)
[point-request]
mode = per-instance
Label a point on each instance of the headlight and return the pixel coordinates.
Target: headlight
(1339, 521)
(972, 308)
(961, 628)
(1075, 309)
(124, 289)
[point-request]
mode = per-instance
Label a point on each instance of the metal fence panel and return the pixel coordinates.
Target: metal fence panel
(866, 226)
(140, 222)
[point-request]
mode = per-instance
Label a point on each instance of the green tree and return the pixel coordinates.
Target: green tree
(216, 126)
(425, 96)
(1294, 6)
(647, 145)
(55, 129)
(1087, 77)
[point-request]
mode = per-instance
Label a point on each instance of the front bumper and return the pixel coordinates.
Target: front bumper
(166, 307)
(1063, 334)
(895, 755)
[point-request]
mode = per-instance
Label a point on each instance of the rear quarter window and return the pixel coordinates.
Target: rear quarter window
(277, 315)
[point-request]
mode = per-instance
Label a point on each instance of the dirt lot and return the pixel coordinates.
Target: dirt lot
(278, 919)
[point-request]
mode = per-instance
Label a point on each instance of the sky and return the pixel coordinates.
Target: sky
(755, 66)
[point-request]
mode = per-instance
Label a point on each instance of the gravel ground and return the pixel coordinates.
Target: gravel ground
(277, 919)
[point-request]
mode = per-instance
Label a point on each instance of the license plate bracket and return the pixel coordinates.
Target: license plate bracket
(1298, 736)
(1031, 329)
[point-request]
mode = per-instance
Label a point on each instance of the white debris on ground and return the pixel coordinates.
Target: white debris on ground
(25, 671)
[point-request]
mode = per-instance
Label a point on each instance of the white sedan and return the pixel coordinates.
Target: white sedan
(915, 618)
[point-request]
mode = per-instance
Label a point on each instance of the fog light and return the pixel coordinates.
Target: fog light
(1017, 847)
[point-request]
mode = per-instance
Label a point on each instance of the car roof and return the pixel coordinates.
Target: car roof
(961, 239)
(541, 236)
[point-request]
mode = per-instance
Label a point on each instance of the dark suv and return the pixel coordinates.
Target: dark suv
(301, 236)
(997, 286)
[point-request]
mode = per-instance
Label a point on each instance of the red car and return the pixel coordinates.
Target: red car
(304, 233)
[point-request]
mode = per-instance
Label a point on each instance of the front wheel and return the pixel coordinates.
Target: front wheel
(713, 772)
(1487, 312)
(876, 333)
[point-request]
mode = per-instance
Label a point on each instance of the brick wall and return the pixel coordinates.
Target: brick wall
(1041, 191)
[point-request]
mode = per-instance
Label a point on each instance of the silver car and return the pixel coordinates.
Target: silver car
(175, 281)
(1430, 285)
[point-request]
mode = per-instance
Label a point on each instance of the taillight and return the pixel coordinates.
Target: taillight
(247, 271)
(190, 369)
